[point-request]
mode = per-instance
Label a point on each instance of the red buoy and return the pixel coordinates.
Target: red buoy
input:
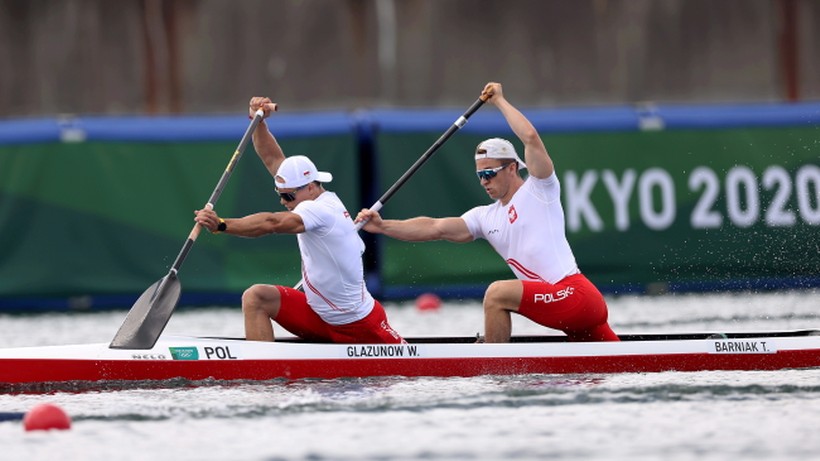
(46, 416)
(428, 302)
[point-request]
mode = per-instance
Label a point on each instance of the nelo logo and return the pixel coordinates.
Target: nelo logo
(547, 298)
(149, 357)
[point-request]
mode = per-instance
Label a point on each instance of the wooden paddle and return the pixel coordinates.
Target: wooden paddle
(149, 315)
(460, 122)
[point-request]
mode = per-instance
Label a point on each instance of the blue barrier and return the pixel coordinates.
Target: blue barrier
(29, 131)
(739, 115)
(363, 122)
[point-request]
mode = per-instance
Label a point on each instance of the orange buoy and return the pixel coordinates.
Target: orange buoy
(46, 416)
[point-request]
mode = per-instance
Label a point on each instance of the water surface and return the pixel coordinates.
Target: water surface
(670, 416)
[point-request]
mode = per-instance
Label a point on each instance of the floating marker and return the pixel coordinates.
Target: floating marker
(46, 416)
(428, 302)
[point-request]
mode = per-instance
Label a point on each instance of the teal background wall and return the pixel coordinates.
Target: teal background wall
(94, 210)
(645, 210)
(95, 222)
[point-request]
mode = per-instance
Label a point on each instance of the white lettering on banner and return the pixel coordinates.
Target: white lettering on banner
(656, 177)
(703, 216)
(808, 179)
(741, 198)
(620, 193)
(777, 215)
(578, 202)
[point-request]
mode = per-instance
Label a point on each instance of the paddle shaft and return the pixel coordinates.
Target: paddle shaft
(460, 122)
(186, 248)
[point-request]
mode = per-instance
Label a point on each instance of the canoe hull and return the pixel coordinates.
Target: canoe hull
(196, 359)
(63, 370)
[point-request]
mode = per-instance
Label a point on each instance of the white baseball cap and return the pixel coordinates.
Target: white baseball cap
(498, 148)
(297, 171)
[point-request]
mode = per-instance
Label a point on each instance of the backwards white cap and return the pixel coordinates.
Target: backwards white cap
(498, 148)
(297, 171)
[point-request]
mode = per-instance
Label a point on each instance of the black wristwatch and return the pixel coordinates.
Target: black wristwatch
(222, 227)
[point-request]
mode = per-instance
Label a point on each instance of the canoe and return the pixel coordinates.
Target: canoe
(204, 359)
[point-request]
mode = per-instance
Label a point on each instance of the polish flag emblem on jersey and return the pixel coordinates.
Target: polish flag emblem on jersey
(512, 214)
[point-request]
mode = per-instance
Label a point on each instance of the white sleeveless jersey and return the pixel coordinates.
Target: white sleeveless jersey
(528, 232)
(332, 267)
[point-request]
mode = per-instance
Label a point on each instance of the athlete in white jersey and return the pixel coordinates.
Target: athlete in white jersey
(335, 305)
(331, 265)
(525, 226)
(519, 230)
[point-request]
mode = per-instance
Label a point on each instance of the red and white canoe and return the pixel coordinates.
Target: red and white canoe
(195, 358)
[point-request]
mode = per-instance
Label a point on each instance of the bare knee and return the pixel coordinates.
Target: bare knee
(251, 296)
(503, 295)
(492, 296)
(260, 298)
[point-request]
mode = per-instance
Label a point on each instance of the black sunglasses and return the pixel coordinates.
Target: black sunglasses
(290, 196)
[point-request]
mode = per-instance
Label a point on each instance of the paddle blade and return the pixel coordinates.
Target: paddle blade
(149, 315)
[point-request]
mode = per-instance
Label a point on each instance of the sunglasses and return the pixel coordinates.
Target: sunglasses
(490, 173)
(290, 196)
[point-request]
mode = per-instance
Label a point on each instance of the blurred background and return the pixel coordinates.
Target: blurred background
(685, 133)
(206, 56)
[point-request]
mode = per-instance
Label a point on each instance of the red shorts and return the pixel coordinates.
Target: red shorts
(296, 316)
(574, 305)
